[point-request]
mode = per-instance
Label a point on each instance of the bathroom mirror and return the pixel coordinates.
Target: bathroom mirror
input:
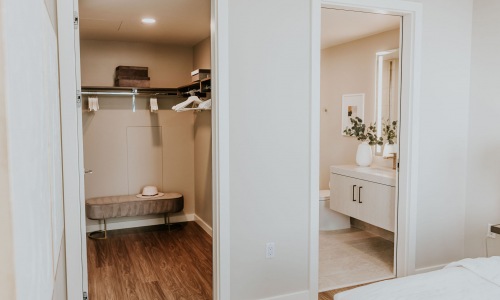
(387, 89)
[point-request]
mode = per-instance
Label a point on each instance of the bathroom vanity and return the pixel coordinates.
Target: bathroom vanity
(364, 193)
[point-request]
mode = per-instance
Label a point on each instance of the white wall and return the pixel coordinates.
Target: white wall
(444, 105)
(269, 92)
(60, 280)
(31, 117)
(348, 68)
(483, 171)
(7, 276)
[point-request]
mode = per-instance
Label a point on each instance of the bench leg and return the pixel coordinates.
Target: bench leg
(97, 235)
(166, 217)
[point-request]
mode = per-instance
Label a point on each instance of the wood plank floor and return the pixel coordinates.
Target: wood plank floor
(151, 263)
(328, 295)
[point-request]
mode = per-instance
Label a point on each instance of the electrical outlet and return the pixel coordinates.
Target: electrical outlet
(270, 250)
(489, 233)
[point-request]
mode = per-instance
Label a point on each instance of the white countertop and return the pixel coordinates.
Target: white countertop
(376, 174)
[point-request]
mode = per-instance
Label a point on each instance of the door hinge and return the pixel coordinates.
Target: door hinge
(75, 19)
(78, 97)
(85, 297)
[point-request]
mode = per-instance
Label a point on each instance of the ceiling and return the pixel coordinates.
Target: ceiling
(178, 22)
(341, 26)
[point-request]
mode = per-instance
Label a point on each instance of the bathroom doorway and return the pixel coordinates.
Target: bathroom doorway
(133, 138)
(360, 101)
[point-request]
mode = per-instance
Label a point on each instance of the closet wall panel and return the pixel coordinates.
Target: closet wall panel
(127, 150)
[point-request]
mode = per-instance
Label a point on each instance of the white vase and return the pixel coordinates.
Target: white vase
(389, 150)
(364, 155)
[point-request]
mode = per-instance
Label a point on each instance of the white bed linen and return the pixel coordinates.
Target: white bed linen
(469, 279)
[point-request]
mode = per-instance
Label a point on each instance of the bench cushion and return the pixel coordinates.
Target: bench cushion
(130, 206)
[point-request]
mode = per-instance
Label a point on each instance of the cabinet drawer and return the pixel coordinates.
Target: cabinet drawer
(342, 198)
(377, 205)
(367, 201)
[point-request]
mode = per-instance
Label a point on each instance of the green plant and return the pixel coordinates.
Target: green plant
(364, 133)
(389, 131)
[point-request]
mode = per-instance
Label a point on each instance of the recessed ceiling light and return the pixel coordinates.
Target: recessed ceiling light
(148, 21)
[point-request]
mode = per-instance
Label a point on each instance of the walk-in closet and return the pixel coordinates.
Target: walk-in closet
(146, 128)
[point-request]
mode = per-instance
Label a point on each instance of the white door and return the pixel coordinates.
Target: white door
(72, 143)
(83, 219)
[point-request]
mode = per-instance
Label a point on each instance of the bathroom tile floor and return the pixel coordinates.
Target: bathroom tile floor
(352, 256)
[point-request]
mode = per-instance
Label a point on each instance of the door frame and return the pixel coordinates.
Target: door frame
(72, 156)
(220, 149)
(72, 143)
(406, 190)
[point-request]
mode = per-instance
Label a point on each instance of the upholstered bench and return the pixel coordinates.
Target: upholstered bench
(102, 208)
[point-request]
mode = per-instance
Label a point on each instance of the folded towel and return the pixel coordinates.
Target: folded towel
(153, 103)
(93, 104)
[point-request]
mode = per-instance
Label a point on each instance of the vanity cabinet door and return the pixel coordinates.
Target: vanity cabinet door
(341, 194)
(377, 205)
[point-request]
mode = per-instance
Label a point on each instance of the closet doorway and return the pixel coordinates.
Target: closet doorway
(145, 69)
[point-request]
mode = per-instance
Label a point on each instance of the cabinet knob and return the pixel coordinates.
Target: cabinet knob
(353, 187)
(359, 194)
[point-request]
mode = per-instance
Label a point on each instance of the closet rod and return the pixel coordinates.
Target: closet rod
(128, 94)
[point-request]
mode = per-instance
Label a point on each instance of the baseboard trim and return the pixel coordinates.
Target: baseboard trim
(302, 295)
(140, 223)
(203, 224)
(429, 269)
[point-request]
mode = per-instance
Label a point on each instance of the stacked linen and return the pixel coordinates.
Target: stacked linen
(93, 104)
(153, 103)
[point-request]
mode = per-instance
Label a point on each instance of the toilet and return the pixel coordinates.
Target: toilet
(329, 219)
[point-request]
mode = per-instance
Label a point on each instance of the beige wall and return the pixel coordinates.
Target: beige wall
(169, 66)
(203, 166)
(348, 68)
(201, 55)
(115, 132)
(203, 143)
